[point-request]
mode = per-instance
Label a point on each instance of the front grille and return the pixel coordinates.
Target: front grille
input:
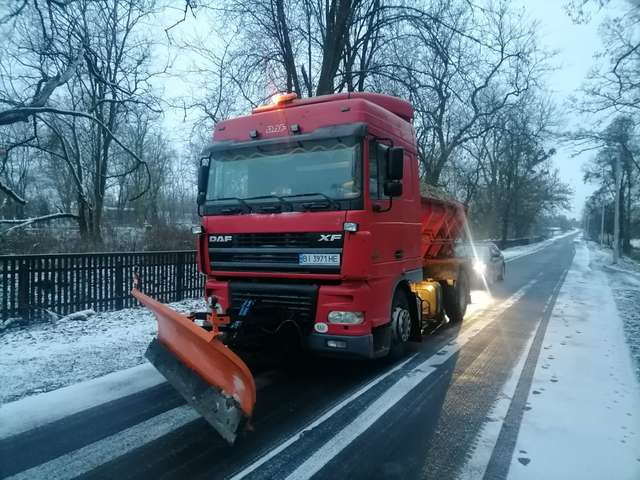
(265, 240)
(272, 304)
(274, 240)
(272, 252)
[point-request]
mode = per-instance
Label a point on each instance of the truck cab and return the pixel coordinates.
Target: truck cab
(312, 225)
(315, 235)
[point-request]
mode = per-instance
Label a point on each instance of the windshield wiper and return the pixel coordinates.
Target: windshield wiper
(330, 200)
(239, 200)
(277, 197)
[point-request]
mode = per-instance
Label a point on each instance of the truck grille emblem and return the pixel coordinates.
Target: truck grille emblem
(220, 238)
(329, 237)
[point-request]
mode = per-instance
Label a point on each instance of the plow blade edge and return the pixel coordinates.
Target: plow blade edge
(211, 378)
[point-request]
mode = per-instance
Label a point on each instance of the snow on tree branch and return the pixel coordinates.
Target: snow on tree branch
(24, 222)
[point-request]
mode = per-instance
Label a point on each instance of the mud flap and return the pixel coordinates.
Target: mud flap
(210, 377)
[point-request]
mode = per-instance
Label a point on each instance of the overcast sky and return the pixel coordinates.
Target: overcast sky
(575, 46)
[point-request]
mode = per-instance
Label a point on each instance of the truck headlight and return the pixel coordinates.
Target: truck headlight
(347, 318)
(479, 266)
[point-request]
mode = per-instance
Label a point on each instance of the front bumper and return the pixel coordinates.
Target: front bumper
(360, 346)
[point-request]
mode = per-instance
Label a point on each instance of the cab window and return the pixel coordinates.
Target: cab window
(377, 168)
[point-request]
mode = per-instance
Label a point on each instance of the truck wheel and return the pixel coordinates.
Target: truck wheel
(400, 324)
(455, 298)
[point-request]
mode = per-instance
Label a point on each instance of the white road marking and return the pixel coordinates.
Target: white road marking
(37, 410)
(329, 413)
(486, 442)
(395, 393)
(484, 300)
(93, 455)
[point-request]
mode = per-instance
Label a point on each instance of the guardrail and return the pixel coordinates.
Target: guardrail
(31, 285)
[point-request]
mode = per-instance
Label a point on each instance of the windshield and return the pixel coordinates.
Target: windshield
(326, 168)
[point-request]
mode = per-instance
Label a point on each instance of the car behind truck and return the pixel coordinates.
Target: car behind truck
(314, 235)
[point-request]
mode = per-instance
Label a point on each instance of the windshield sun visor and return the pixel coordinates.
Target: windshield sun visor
(333, 131)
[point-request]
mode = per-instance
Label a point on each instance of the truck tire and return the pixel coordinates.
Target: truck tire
(400, 324)
(456, 298)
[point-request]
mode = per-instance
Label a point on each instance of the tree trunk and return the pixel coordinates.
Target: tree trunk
(626, 239)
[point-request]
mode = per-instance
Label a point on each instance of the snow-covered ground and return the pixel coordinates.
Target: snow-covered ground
(624, 280)
(517, 252)
(582, 418)
(47, 356)
(37, 410)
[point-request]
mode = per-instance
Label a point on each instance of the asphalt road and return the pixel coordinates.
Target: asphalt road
(416, 418)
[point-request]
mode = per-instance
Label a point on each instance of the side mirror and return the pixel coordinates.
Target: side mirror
(203, 179)
(395, 166)
(393, 188)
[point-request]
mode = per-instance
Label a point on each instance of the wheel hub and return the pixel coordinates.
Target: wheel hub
(402, 323)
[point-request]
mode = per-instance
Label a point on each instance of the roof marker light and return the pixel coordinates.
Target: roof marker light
(284, 97)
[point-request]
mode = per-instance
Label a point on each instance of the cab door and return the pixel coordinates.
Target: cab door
(395, 224)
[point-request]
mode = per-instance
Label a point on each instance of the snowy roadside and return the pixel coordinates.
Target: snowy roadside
(582, 417)
(47, 356)
(517, 252)
(37, 410)
(624, 280)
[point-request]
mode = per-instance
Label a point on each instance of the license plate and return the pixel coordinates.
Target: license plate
(319, 259)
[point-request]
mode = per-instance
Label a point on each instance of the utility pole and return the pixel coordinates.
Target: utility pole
(602, 225)
(602, 214)
(587, 220)
(616, 221)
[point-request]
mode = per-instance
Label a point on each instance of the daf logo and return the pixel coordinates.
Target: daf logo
(330, 237)
(220, 238)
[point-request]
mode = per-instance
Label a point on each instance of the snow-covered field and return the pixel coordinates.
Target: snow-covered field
(48, 356)
(582, 418)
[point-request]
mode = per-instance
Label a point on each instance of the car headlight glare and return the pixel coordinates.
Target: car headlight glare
(479, 266)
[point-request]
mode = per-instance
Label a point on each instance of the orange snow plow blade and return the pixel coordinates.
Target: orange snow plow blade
(211, 378)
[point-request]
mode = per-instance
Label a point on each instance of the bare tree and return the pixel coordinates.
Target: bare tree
(104, 55)
(618, 142)
(517, 183)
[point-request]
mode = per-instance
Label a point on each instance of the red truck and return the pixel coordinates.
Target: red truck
(314, 234)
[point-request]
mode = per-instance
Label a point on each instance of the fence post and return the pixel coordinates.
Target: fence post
(119, 285)
(180, 277)
(23, 289)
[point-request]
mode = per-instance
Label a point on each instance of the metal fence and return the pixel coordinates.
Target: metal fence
(30, 285)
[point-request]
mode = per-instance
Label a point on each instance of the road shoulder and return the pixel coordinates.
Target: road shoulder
(582, 418)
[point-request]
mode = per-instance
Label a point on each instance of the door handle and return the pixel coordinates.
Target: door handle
(398, 254)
